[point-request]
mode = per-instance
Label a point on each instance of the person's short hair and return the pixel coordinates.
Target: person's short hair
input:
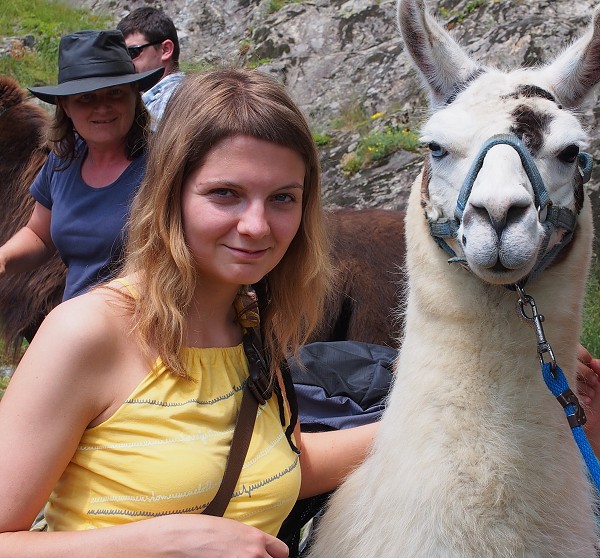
(203, 111)
(154, 24)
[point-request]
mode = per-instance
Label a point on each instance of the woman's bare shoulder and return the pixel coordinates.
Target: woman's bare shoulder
(86, 330)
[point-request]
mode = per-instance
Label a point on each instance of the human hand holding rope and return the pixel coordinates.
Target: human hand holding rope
(588, 391)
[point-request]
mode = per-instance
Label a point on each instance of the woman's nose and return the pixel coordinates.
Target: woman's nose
(253, 221)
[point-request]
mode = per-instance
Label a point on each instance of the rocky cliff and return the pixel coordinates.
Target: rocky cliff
(343, 62)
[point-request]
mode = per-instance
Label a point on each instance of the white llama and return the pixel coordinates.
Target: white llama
(474, 457)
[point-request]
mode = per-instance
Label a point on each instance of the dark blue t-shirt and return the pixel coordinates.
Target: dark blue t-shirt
(87, 223)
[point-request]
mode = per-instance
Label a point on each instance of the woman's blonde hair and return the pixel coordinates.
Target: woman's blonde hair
(205, 109)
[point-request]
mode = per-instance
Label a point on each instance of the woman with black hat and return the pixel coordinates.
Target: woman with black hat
(97, 160)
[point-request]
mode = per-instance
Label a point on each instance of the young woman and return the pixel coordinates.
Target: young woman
(122, 410)
(98, 158)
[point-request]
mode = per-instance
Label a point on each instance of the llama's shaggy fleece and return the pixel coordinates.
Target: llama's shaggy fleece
(25, 299)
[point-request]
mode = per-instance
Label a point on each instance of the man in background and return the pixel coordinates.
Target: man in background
(152, 41)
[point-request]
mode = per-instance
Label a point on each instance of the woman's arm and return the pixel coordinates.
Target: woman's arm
(29, 247)
(51, 398)
(328, 457)
(169, 536)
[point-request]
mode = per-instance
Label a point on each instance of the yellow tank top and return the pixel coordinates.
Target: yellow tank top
(164, 452)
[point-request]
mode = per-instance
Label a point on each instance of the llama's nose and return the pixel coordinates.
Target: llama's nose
(501, 216)
(501, 194)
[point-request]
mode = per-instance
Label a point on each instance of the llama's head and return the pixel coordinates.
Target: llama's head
(501, 206)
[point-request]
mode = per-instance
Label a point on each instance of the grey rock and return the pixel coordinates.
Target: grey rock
(338, 56)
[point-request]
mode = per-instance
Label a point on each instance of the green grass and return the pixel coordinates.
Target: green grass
(47, 21)
(378, 145)
(321, 139)
(461, 15)
(5, 361)
(256, 63)
(352, 117)
(195, 67)
(3, 385)
(276, 5)
(377, 140)
(590, 335)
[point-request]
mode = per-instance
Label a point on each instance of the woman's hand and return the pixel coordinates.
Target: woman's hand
(193, 535)
(588, 391)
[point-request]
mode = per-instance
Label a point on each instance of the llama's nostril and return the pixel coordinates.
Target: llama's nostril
(516, 213)
(464, 240)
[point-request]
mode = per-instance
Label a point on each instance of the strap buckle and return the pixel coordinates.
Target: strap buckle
(259, 381)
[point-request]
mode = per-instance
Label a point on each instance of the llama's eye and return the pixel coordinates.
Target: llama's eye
(436, 150)
(569, 154)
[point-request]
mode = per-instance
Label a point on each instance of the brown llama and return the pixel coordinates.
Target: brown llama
(368, 254)
(26, 298)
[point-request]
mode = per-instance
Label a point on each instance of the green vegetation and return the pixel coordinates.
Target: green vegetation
(378, 140)
(276, 5)
(590, 335)
(352, 117)
(321, 139)
(379, 144)
(258, 62)
(458, 16)
(3, 385)
(7, 361)
(194, 67)
(46, 21)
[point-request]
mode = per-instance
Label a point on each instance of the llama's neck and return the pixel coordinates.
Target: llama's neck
(465, 341)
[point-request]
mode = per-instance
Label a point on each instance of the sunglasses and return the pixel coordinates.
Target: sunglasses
(135, 51)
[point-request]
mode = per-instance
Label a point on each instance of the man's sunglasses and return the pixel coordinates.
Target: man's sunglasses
(135, 51)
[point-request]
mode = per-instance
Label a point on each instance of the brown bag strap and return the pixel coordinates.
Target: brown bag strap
(257, 390)
(237, 454)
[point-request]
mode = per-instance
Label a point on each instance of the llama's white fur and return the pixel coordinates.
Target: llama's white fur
(474, 457)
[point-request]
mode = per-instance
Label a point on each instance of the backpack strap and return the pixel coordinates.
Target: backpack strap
(262, 298)
(240, 442)
(258, 390)
(259, 387)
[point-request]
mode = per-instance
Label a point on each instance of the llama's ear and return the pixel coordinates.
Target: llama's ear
(576, 71)
(441, 61)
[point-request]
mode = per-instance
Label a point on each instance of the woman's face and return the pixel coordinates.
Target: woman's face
(241, 209)
(103, 117)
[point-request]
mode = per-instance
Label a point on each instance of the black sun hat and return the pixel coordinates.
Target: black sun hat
(90, 60)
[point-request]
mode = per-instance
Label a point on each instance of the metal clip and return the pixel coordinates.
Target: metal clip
(535, 321)
(575, 415)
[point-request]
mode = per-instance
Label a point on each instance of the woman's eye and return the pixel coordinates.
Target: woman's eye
(569, 154)
(284, 198)
(436, 150)
(222, 192)
(117, 92)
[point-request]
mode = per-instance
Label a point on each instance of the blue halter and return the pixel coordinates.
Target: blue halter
(556, 217)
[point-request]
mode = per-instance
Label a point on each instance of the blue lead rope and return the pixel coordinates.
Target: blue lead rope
(557, 384)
